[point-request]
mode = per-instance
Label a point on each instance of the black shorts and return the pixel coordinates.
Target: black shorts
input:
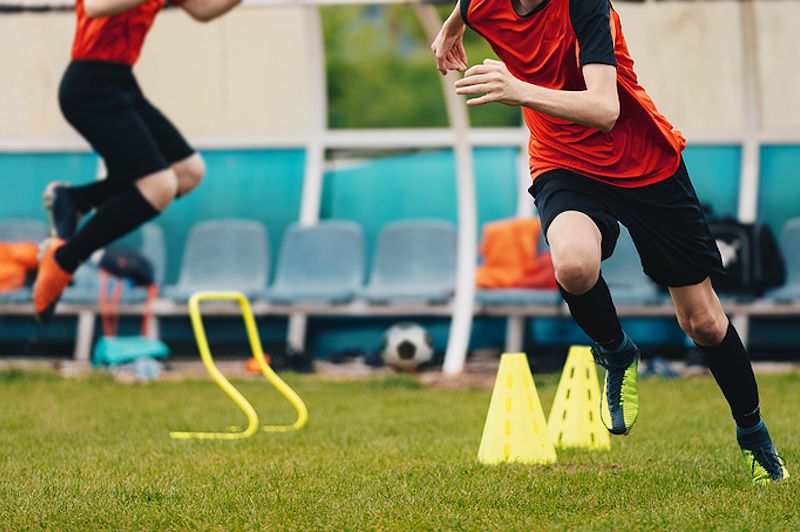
(665, 221)
(104, 103)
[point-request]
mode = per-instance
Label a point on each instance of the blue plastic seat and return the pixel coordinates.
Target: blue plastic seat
(224, 255)
(85, 288)
(790, 248)
(518, 297)
(323, 263)
(21, 230)
(413, 261)
(624, 276)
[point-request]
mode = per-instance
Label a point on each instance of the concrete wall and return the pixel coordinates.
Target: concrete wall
(241, 76)
(247, 75)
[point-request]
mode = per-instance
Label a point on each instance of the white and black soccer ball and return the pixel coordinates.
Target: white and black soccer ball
(406, 346)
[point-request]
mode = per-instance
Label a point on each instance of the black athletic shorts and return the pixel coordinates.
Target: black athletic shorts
(104, 103)
(664, 219)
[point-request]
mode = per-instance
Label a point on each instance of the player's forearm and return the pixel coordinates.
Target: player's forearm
(108, 8)
(588, 108)
(454, 23)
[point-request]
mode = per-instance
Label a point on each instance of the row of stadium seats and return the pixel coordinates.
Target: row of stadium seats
(321, 270)
(326, 263)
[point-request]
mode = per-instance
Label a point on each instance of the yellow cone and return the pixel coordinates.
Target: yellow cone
(575, 416)
(515, 430)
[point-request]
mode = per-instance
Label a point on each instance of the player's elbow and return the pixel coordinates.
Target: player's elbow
(608, 117)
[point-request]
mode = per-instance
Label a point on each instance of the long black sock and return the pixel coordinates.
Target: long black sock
(595, 313)
(113, 219)
(733, 372)
(91, 196)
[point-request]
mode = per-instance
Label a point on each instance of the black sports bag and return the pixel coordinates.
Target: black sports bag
(752, 260)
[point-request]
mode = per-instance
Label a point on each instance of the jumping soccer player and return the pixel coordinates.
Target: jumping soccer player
(600, 153)
(149, 163)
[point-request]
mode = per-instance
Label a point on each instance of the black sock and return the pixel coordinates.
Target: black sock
(731, 368)
(91, 196)
(595, 313)
(114, 219)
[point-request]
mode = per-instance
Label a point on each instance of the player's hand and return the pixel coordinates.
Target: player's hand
(448, 47)
(493, 80)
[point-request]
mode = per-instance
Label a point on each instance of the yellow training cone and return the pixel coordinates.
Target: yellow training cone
(575, 416)
(515, 429)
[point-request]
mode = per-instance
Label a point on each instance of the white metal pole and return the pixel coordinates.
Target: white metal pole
(751, 147)
(315, 151)
(463, 306)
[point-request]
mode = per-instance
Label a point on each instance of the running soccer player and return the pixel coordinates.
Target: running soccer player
(601, 154)
(149, 163)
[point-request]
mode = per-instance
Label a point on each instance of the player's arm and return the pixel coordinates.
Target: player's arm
(205, 10)
(108, 8)
(597, 106)
(448, 47)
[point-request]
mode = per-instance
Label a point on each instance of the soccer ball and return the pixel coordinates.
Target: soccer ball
(406, 346)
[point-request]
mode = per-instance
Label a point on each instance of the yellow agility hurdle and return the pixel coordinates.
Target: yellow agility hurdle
(227, 387)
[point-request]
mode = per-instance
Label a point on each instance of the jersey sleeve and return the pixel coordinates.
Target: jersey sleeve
(591, 21)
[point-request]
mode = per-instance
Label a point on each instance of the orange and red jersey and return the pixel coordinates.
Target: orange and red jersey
(548, 47)
(117, 39)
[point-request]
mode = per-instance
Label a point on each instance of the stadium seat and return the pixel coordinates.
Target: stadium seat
(223, 255)
(624, 276)
(518, 297)
(413, 261)
(323, 263)
(85, 288)
(790, 247)
(21, 230)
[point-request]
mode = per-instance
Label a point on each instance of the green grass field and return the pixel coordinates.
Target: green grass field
(384, 454)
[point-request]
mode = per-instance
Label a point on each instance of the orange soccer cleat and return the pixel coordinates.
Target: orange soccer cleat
(50, 282)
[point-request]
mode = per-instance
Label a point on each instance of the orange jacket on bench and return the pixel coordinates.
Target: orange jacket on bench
(16, 260)
(508, 248)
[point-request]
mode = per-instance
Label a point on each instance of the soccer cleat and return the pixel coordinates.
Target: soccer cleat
(766, 465)
(64, 215)
(619, 406)
(50, 282)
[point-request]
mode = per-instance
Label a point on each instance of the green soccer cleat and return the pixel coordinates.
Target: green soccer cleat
(619, 406)
(774, 471)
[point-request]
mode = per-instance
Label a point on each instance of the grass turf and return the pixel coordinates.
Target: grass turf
(387, 454)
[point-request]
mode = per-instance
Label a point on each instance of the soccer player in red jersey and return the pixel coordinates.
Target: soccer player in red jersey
(600, 155)
(149, 163)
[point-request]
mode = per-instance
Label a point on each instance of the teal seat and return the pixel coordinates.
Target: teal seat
(223, 255)
(22, 230)
(323, 263)
(790, 248)
(623, 273)
(85, 288)
(518, 297)
(413, 261)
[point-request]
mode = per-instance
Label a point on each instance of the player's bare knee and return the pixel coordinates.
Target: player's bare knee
(706, 328)
(190, 173)
(159, 189)
(576, 274)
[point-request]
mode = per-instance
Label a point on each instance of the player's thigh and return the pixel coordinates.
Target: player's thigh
(669, 229)
(170, 141)
(103, 113)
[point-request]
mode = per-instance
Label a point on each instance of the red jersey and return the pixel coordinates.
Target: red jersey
(548, 47)
(117, 39)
